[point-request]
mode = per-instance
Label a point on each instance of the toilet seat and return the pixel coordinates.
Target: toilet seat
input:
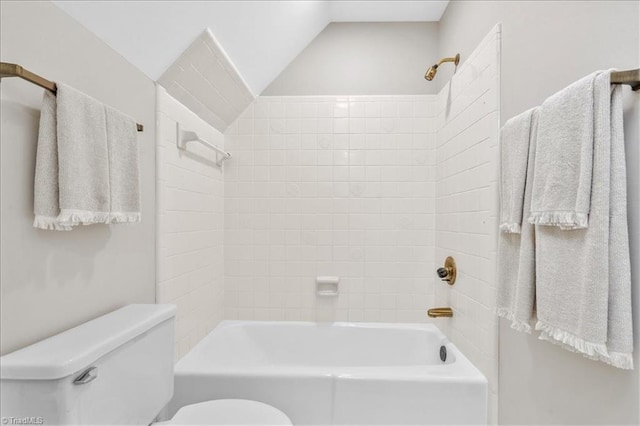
(229, 412)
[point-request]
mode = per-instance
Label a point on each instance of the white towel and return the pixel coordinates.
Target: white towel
(564, 158)
(124, 175)
(583, 285)
(83, 158)
(46, 202)
(86, 164)
(514, 153)
(516, 255)
(620, 327)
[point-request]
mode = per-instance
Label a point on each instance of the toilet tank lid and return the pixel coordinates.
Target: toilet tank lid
(77, 348)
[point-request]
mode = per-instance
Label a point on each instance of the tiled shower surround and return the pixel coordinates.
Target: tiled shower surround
(467, 205)
(190, 196)
(377, 190)
(331, 186)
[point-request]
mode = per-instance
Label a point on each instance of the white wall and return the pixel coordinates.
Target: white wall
(381, 58)
(190, 224)
(466, 205)
(546, 46)
(52, 281)
(331, 186)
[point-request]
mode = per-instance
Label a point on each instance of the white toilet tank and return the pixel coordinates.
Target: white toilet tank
(115, 369)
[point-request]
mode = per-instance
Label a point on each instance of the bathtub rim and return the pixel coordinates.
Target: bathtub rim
(461, 370)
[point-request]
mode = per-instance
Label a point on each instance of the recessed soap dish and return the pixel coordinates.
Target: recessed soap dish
(327, 286)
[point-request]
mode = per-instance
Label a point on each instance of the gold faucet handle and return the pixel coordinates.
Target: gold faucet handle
(449, 271)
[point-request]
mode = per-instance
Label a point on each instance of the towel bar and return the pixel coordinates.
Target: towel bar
(185, 136)
(15, 70)
(631, 77)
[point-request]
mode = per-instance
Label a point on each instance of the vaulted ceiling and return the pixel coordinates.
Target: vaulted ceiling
(260, 37)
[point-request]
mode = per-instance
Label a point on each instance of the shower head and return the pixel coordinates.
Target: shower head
(433, 69)
(431, 72)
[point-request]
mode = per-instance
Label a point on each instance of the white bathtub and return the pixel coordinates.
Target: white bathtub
(337, 373)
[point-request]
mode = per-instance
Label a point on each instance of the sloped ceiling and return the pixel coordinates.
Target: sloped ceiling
(260, 37)
(206, 81)
(386, 11)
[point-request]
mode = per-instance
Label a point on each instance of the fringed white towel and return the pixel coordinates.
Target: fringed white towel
(516, 255)
(620, 322)
(514, 153)
(583, 284)
(86, 163)
(564, 159)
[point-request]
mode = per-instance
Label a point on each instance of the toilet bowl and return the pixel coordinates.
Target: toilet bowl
(228, 412)
(116, 369)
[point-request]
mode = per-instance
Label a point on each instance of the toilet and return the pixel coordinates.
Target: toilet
(116, 369)
(228, 412)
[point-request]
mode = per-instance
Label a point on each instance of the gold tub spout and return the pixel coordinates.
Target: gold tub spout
(440, 312)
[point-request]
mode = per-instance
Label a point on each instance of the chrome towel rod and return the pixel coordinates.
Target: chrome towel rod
(15, 70)
(185, 136)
